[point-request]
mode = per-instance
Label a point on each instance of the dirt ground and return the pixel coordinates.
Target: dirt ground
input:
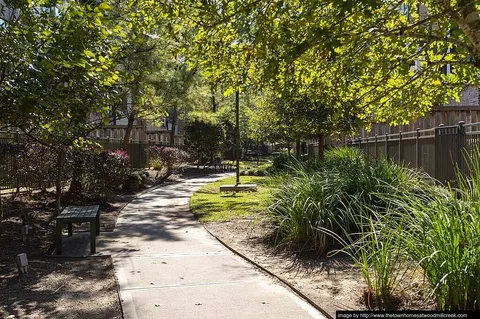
(54, 287)
(60, 288)
(330, 282)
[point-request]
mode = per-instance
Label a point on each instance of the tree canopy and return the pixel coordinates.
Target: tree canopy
(382, 60)
(57, 71)
(362, 60)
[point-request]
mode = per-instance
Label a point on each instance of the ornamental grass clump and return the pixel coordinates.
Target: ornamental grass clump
(392, 221)
(378, 257)
(311, 206)
(442, 235)
(438, 231)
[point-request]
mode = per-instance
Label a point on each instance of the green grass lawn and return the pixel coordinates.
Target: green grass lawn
(209, 205)
(246, 165)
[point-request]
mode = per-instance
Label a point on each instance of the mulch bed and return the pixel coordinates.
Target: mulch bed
(59, 287)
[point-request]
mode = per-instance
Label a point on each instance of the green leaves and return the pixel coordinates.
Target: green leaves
(384, 57)
(104, 6)
(56, 65)
(89, 53)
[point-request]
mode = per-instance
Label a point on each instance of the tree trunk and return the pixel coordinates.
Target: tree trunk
(237, 137)
(320, 146)
(58, 182)
(76, 187)
(214, 103)
(128, 132)
(258, 152)
(468, 19)
(297, 148)
(174, 124)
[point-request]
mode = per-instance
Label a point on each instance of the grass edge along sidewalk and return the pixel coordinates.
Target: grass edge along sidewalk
(209, 205)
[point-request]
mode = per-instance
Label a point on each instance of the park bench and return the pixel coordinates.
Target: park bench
(78, 214)
(238, 188)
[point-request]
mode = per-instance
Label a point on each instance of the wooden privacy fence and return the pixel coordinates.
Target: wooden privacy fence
(438, 151)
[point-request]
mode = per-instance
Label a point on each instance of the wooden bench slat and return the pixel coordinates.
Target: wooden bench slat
(238, 188)
(75, 214)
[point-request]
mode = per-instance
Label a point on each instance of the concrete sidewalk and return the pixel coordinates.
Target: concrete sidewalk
(168, 266)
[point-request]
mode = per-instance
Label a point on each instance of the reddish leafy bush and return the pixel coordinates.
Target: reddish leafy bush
(93, 172)
(97, 173)
(166, 159)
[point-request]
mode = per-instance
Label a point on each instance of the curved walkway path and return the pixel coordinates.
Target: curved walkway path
(168, 266)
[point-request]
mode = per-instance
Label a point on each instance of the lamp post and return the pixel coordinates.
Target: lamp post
(237, 137)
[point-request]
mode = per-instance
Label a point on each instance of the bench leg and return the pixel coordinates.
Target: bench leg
(58, 237)
(93, 233)
(98, 223)
(70, 229)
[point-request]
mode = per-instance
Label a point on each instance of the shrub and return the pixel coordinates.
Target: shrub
(92, 171)
(97, 173)
(282, 162)
(156, 164)
(135, 180)
(310, 206)
(29, 165)
(204, 139)
(166, 159)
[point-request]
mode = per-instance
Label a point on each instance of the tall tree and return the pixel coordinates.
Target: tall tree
(57, 72)
(146, 63)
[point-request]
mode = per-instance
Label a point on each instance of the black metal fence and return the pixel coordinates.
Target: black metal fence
(13, 177)
(441, 151)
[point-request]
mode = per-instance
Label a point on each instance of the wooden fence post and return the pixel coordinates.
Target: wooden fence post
(367, 147)
(461, 145)
(376, 146)
(399, 147)
(386, 145)
(417, 149)
(437, 152)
